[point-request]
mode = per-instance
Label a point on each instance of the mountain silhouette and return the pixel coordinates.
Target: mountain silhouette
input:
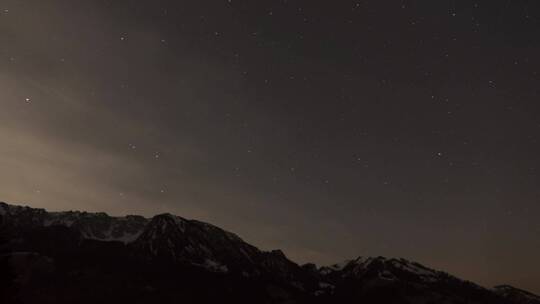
(81, 257)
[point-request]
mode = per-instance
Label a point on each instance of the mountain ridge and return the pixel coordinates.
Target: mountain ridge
(177, 245)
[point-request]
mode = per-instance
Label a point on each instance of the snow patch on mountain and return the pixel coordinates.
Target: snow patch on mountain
(334, 267)
(384, 269)
(516, 295)
(215, 266)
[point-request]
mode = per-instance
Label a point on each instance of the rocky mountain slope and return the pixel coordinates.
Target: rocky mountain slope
(80, 257)
(516, 295)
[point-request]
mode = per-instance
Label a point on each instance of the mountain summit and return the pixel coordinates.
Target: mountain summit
(81, 257)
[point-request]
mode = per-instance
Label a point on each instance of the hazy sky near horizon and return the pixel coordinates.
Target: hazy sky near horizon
(329, 129)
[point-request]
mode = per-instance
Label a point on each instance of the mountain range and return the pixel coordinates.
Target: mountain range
(81, 257)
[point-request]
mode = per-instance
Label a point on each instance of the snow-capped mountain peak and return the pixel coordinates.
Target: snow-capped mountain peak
(95, 226)
(516, 295)
(170, 242)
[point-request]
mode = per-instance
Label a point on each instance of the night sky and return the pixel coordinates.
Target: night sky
(329, 129)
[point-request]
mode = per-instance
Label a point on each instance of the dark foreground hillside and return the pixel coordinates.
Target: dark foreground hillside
(79, 257)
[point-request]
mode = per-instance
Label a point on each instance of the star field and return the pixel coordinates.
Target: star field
(327, 129)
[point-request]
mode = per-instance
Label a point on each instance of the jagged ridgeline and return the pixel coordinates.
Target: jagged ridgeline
(80, 257)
